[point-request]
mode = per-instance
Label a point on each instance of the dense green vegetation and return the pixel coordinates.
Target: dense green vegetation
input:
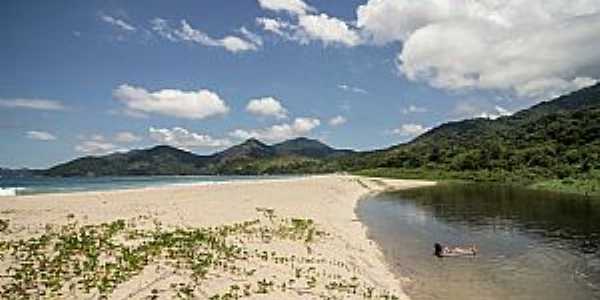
(587, 185)
(556, 142)
(296, 156)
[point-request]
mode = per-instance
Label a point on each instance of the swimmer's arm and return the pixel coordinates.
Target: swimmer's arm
(460, 252)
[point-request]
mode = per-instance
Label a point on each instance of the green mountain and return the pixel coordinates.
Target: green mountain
(159, 160)
(554, 139)
(15, 173)
(299, 155)
(295, 156)
(557, 139)
(248, 150)
(308, 148)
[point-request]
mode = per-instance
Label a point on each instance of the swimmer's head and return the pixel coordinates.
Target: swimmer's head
(438, 249)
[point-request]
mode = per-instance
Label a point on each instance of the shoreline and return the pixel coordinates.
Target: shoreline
(157, 185)
(329, 200)
(588, 187)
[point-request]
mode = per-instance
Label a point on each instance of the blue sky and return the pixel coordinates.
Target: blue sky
(93, 77)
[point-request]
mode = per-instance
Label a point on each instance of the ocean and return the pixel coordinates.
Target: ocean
(10, 186)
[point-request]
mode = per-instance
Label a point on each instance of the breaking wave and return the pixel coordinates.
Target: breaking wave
(10, 191)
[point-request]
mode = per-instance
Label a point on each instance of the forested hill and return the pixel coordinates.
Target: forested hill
(559, 138)
(553, 139)
(300, 155)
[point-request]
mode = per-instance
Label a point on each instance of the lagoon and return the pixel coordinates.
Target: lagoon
(533, 244)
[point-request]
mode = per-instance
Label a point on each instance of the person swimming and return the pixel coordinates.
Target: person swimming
(442, 251)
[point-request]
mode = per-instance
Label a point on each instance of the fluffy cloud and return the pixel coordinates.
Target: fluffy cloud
(170, 102)
(117, 23)
(267, 106)
(183, 138)
(276, 133)
(537, 48)
(37, 104)
(337, 121)
(328, 29)
(390, 20)
(249, 41)
(127, 137)
(288, 31)
(410, 130)
(533, 49)
(309, 26)
(40, 135)
(291, 6)
(275, 26)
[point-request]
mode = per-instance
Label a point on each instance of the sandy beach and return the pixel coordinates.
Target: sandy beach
(291, 239)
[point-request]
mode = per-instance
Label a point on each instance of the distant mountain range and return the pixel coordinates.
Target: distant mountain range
(16, 172)
(553, 139)
(300, 155)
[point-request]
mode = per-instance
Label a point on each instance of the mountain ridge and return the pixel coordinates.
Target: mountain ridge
(552, 139)
(169, 160)
(558, 138)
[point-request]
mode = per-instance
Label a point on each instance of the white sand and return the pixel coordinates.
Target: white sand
(329, 200)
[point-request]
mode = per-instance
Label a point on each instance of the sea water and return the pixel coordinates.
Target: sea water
(16, 186)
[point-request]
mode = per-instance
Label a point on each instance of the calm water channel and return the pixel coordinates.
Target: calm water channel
(533, 245)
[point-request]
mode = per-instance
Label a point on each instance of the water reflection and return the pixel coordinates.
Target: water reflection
(534, 245)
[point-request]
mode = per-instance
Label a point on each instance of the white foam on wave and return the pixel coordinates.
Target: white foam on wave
(10, 191)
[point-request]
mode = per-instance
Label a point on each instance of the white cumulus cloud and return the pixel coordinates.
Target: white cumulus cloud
(183, 138)
(337, 121)
(37, 104)
(40, 135)
(171, 102)
(247, 42)
(280, 132)
(274, 25)
(537, 48)
(410, 130)
(309, 25)
(266, 106)
(291, 6)
(328, 30)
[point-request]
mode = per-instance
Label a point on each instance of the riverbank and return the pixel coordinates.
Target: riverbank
(583, 184)
(280, 239)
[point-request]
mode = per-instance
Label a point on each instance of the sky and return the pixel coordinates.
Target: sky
(94, 77)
